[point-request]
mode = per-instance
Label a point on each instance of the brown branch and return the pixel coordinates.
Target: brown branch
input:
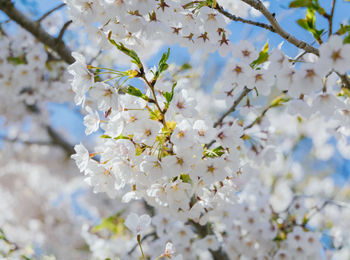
(229, 111)
(50, 12)
(330, 19)
(235, 18)
(63, 30)
(258, 5)
(233, 107)
(35, 28)
(345, 80)
(59, 141)
(259, 118)
(27, 142)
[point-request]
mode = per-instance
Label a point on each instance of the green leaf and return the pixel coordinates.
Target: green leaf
(263, 56)
(347, 39)
(164, 58)
(300, 3)
(17, 60)
(136, 92)
(310, 17)
(317, 33)
(185, 178)
(217, 152)
(115, 224)
(121, 137)
(279, 101)
(343, 29)
(132, 54)
(185, 66)
(162, 65)
(211, 3)
(303, 24)
(320, 10)
(105, 136)
(169, 95)
(309, 23)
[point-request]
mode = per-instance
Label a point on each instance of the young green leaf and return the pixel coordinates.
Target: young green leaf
(136, 92)
(263, 56)
(300, 3)
(132, 54)
(162, 65)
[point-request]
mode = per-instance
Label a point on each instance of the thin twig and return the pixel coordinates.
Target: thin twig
(95, 57)
(62, 31)
(258, 5)
(151, 86)
(50, 12)
(232, 17)
(259, 118)
(330, 19)
(339, 204)
(233, 107)
(229, 111)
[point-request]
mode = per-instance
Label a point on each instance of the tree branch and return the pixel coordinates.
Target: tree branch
(232, 17)
(27, 142)
(63, 30)
(59, 141)
(233, 107)
(345, 80)
(50, 12)
(35, 28)
(259, 118)
(229, 111)
(258, 5)
(330, 19)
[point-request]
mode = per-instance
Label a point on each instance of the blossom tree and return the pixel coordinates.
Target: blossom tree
(246, 170)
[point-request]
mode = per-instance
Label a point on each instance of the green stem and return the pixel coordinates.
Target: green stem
(139, 242)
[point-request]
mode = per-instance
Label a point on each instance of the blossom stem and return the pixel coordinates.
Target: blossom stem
(154, 97)
(139, 242)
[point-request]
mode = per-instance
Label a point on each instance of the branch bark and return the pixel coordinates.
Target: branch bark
(50, 12)
(235, 18)
(258, 5)
(35, 28)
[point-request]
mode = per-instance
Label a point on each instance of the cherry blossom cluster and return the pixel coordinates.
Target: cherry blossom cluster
(157, 145)
(29, 76)
(176, 21)
(154, 147)
(201, 176)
